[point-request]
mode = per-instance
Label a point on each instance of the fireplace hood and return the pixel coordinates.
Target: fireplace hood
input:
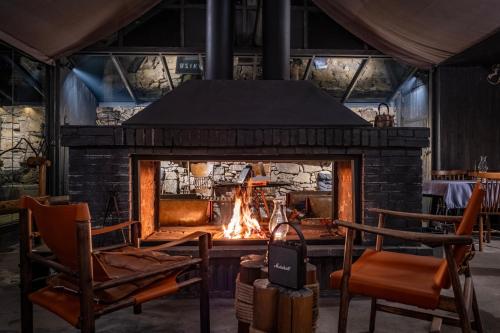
(219, 101)
(246, 103)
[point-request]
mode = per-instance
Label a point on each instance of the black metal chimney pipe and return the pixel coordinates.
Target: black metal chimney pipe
(220, 23)
(276, 39)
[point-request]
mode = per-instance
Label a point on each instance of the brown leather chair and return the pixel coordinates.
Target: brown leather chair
(410, 279)
(90, 282)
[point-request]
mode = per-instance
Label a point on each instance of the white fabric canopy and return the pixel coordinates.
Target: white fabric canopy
(420, 32)
(51, 29)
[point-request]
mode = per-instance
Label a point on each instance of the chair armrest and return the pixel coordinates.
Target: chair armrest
(416, 216)
(429, 239)
(143, 275)
(185, 239)
(52, 264)
(105, 230)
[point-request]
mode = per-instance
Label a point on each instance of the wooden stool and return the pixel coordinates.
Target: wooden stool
(283, 310)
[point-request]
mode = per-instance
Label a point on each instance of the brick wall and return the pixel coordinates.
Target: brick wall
(390, 158)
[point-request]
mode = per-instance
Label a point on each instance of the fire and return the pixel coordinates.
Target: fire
(242, 224)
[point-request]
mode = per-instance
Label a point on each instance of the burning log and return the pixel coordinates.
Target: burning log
(242, 223)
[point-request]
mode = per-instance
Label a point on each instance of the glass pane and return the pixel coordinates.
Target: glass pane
(247, 68)
(22, 122)
(146, 76)
(101, 76)
(184, 68)
(334, 74)
(379, 80)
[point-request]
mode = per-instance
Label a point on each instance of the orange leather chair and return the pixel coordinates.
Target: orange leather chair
(91, 283)
(410, 279)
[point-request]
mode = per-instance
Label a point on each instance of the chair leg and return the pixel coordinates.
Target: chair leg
(488, 229)
(457, 291)
(481, 233)
(204, 288)
(477, 316)
(373, 315)
(345, 298)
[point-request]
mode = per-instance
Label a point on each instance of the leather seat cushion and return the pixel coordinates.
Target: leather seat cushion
(396, 277)
(67, 305)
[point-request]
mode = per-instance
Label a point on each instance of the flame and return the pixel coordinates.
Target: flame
(242, 223)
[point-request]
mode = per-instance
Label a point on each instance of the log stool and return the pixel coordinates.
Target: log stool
(250, 270)
(283, 310)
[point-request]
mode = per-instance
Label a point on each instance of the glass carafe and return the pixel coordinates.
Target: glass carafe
(483, 164)
(278, 217)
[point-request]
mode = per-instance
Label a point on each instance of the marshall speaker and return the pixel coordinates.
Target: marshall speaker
(287, 260)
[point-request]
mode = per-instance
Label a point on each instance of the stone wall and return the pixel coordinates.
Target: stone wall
(17, 123)
(299, 176)
(332, 74)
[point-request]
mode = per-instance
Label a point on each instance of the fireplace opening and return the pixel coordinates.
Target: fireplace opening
(234, 199)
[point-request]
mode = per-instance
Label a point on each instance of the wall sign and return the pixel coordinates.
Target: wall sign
(187, 65)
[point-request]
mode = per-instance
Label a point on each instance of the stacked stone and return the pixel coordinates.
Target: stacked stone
(16, 123)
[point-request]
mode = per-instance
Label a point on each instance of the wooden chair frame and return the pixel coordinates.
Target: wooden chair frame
(464, 299)
(491, 204)
(84, 275)
(449, 174)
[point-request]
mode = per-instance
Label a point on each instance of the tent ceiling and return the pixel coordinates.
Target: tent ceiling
(51, 29)
(422, 33)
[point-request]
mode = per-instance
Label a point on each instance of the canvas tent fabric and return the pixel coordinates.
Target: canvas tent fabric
(51, 29)
(422, 33)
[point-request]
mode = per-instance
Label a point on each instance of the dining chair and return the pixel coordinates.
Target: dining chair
(412, 280)
(449, 175)
(89, 283)
(490, 206)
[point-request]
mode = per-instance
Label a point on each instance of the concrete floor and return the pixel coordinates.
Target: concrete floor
(181, 315)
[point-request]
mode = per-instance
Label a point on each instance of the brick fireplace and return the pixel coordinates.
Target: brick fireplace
(389, 160)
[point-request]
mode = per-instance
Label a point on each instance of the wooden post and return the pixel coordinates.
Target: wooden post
(265, 304)
(295, 313)
(344, 291)
(42, 178)
(135, 235)
(204, 244)
(25, 270)
(84, 252)
(457, 290)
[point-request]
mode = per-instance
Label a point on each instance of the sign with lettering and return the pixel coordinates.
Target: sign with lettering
(188, 65)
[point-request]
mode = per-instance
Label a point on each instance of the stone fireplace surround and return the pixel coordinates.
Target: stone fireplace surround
(390, 162)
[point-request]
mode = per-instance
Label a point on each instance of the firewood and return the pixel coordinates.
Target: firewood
(265, 301)
(295, 311)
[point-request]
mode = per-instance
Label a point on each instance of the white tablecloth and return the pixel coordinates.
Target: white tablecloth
(455, 193)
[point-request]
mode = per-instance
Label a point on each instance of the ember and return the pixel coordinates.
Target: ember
(242, 223)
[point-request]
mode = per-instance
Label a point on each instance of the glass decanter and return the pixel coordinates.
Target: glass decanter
(278, 217)
(483, 164)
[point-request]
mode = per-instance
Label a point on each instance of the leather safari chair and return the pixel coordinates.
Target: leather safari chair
(413, 280)
(90, 283)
